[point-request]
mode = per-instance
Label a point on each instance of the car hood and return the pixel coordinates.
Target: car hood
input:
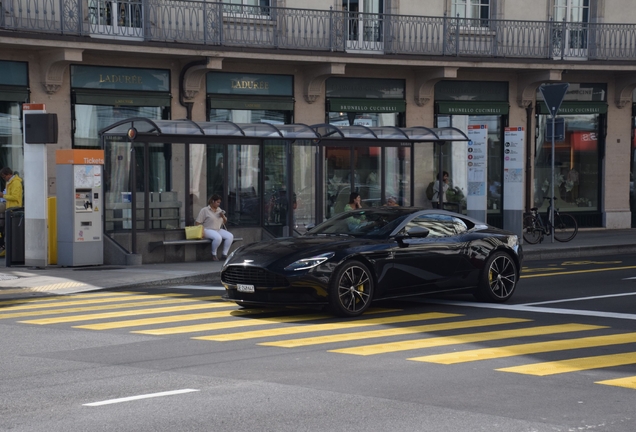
(287, 250)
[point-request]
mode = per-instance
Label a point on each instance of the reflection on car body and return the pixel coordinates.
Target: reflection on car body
(356, 257)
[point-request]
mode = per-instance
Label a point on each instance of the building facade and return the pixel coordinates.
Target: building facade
(402, 63)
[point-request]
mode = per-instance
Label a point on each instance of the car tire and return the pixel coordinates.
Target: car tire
(351, 289)
(498, 279)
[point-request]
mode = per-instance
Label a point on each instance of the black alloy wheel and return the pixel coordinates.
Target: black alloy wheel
(351, 289)
(498, 280)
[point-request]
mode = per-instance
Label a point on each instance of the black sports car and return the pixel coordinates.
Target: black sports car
(365, 255)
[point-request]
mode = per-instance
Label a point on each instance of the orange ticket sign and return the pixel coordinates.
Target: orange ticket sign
(33, 107)
(79, 157)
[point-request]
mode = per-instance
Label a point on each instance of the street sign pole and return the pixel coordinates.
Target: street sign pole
(553, 95)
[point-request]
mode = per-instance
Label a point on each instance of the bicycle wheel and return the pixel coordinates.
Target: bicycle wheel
(565, 228)
(532, 230)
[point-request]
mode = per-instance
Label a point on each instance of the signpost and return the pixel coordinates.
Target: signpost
(553, 95)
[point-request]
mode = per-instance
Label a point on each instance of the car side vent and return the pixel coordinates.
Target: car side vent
(252, 276)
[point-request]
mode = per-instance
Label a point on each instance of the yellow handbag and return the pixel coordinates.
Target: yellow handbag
(194, 232)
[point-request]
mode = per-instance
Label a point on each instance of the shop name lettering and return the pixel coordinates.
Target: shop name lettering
(474, 110)
(386, 108)
(123, 79)
(250, 85)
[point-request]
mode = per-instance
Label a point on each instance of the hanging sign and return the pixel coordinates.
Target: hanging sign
(477, 161)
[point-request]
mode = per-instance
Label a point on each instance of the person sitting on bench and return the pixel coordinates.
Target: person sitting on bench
(213, 219)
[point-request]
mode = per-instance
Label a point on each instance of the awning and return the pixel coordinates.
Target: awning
(152, 131)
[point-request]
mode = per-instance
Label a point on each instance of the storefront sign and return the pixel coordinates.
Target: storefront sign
(477, 161)
(366, 105)
(473, 108)
(371, 88)
(115, 78)
(13, 73)
(575, 108)
(474, 91)
(249, 84)
(514, 138)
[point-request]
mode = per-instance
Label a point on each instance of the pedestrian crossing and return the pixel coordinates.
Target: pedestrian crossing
(449, 338)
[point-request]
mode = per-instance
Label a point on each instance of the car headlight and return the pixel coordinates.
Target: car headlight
(307, 263)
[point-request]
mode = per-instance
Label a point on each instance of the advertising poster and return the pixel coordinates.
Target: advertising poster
(513, 168)
(477, 162)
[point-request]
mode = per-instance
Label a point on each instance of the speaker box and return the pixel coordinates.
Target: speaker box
(40, 128)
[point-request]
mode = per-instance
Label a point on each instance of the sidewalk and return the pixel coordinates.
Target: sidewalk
(20, 281)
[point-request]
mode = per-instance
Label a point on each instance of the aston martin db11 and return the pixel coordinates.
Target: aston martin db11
(357, 257)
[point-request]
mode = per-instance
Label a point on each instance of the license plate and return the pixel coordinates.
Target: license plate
(245, 288)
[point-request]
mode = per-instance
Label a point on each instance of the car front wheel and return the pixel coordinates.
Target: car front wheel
(351, 289)
(498, 280)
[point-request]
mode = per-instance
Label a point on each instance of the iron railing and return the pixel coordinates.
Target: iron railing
(214, 23)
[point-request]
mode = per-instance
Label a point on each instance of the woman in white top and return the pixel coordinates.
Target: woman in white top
(212, 218)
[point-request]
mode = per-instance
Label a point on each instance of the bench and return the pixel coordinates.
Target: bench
(153, 245)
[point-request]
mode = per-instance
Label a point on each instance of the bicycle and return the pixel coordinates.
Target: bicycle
(565, 228)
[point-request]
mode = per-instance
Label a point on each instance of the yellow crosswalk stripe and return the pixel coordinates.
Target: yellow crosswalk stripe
(171, 318)
(36, 300)
(325, 327)
(248, 323)
(292, 343)
(573, 365)
(88, 301)
(231, 324)
(627, 382)
(461, 339)
(87, 317)
(524, 349)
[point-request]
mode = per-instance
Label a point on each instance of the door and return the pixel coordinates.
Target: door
(364, 24)
(431, 263)
(570, 37)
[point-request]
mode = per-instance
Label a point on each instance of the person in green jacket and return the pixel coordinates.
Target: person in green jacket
(13, 194)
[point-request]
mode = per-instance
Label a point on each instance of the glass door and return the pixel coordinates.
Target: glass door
(576, 15)
(364, 24)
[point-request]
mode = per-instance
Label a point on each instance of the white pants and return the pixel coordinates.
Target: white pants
(217, 237)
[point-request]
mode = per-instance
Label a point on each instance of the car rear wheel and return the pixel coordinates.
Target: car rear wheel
(351, 289)
(498, 280)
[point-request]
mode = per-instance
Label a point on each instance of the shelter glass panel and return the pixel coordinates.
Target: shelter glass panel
(397, 169)
(278, 202)
(243, 178)
(11, 136)
(304, 181)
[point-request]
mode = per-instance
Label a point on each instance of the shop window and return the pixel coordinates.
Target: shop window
(576, 164)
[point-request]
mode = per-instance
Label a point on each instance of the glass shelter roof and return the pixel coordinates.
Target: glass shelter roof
(153, 130)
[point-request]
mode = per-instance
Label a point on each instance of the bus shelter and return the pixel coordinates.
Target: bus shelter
(273, 179)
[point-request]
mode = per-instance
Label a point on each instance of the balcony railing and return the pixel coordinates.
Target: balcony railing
(214, 23)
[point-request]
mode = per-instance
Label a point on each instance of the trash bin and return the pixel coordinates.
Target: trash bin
(14, 240)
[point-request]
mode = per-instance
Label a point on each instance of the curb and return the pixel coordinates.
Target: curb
(577, 252)
(199, 278)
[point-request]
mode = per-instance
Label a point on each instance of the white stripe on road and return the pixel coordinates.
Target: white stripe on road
(524, 308)
(579, 299)
(147, 396)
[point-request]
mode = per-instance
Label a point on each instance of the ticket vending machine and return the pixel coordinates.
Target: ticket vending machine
(79, 207)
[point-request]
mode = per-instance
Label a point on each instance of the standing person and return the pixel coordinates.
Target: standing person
(12, 194)
(212, 218)
(355, 202)
(435, 200)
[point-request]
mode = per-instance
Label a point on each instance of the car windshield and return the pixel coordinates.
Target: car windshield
(361, 223)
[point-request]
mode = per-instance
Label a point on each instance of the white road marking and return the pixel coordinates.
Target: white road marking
(524, 308)
(147, 396)
(198, 287)
(580, 299)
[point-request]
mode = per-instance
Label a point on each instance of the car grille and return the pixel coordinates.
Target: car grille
(253, 276)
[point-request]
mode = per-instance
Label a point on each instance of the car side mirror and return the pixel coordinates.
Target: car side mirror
(415, 232)
(310, 226)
